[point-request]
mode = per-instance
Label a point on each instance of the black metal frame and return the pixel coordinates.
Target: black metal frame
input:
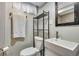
(76, 15)
(38, 17)
(33, 35)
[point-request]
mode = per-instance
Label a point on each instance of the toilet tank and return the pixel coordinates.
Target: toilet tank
(38, 42)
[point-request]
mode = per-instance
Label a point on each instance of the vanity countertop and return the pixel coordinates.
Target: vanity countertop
(64, 43)
(62, 47)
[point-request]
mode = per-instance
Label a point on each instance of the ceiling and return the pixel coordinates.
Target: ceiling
(39, 4)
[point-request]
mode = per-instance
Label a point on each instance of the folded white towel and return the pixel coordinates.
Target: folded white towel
(38, 38)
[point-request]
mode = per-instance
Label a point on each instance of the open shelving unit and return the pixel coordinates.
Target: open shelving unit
(38, 17)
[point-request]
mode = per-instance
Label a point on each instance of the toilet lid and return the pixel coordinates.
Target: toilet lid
(29, 51)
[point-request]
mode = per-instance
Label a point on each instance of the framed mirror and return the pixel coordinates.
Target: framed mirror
(66, 13)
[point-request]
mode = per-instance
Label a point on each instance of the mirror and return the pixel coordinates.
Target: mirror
(66, 13)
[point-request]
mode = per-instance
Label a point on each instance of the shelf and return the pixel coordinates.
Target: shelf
(41, 15)
(41, 31)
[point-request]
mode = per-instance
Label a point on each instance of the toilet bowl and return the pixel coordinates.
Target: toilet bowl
(31, 51)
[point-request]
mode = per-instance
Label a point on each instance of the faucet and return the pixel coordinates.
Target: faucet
(57, 36)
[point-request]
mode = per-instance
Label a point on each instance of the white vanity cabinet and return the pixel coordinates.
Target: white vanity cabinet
(62, 47)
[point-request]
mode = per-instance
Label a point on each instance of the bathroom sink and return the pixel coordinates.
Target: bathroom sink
(62, 47)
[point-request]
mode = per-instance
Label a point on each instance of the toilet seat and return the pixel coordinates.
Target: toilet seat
(29, 51)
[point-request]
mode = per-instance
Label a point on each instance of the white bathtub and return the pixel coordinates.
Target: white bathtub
(62, 47)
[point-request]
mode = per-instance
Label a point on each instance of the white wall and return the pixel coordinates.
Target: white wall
(70, 33)
(28, 8)
(2, 24)
(29, 29)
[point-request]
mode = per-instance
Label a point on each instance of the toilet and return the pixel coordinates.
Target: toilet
(31, 51)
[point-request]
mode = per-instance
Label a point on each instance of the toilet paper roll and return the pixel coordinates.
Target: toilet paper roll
(5, 48)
